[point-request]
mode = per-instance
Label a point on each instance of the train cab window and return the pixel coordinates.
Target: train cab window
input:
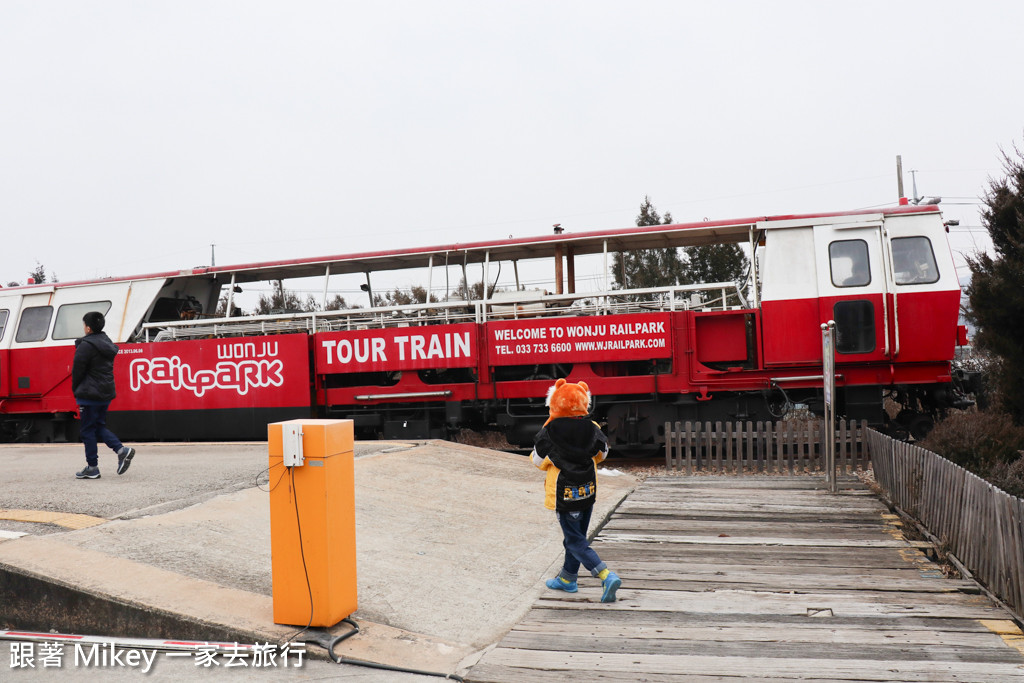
(34, 324)
(4, 314)
(169, 309)
(848, 260)
(855, 326)
(914, 261)
(69, 318)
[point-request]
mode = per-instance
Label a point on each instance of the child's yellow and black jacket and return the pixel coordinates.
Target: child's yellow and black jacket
(568, 448)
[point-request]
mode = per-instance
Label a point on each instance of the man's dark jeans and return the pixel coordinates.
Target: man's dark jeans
(577, 549)
(94, 428)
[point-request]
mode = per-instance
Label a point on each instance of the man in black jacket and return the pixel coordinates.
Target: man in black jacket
(92, 381)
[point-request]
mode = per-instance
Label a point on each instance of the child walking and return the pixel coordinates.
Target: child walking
(92, 382)
(568, 448)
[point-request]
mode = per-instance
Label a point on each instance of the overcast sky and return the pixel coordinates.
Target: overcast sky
(134, 134)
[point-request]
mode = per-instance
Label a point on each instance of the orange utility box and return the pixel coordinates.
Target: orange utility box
(313, 501)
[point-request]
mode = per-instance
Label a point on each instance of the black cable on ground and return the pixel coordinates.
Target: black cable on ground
(328, 642)
(302, 552)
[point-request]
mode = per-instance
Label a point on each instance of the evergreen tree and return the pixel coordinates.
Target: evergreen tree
(714, 263)
(997, 284)
(283, 301)
(473, 293)
(338, 304)
(38, 274)
(669, 266)
(401, 297)
(649, 267)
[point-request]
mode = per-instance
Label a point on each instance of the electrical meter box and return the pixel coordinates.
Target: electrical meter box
(312, 521)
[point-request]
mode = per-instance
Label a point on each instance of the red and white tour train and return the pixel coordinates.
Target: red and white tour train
(711, 351)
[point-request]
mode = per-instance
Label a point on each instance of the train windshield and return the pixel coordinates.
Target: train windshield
(914, 261)
(849, 263)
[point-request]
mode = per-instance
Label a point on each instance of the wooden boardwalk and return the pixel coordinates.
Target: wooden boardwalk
(760, 578)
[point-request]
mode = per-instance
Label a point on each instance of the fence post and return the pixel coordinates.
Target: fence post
(828, 357)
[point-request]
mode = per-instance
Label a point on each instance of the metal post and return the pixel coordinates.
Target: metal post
(430, 276)
(327, 280)
(828, 357)
(486, 275)
(570, 267)
(607, 284)
(231, 297)
(558, 269)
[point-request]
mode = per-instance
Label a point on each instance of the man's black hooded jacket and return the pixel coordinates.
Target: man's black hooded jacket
(92, 375)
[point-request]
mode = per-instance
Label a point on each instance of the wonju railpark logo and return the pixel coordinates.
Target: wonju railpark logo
(239, 368)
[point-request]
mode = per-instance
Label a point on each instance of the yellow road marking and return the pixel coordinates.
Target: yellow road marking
(68, 520)
(1007, 630)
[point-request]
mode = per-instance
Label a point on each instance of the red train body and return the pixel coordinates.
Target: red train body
(709, 351)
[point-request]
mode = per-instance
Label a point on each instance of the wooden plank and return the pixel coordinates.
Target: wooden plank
(825, 542)
(688, 446)
(653, 644)
(843, 449)
(756, 632)
(764, 440)
(669, 439)
(688, 665)
(821, 604)
(730, 465)
(864, 458)
(789, 582)
(770, 624)
(720, 446)
(749, 457)
(780, 446)
(797, 558)
(493, 673)
(708, 454)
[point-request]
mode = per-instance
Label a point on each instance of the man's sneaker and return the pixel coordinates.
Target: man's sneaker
(611, 584)
(557, 584)
(124, 459)
(90, 472)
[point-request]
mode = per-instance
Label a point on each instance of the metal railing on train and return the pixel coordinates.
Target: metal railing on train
(511, 305)
(791, 447)
(979, 524)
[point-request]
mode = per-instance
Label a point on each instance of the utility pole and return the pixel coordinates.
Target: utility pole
(213, 261)
(899, 177)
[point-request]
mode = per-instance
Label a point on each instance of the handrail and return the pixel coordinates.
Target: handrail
(668, 299)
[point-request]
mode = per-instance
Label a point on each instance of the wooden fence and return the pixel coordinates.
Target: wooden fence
(981, 525)
(796, 446)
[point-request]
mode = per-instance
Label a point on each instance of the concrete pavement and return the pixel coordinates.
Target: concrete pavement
(453, 543)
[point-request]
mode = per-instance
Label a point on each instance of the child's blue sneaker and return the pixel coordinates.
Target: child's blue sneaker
(611, 584)
(558, 584)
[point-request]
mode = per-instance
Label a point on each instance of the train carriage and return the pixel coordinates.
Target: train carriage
(707, 351)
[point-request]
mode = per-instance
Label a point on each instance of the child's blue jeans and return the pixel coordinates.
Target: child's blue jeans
(577, 549)
(93, 429)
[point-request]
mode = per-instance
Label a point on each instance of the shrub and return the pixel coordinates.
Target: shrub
(1009, 477)
(979, 441)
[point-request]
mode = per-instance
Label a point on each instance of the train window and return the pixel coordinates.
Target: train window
(69, 318)
(3, 321)
(914, 261)
(848, 261)
(168, 309)
(855, 326)
(35, 323)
